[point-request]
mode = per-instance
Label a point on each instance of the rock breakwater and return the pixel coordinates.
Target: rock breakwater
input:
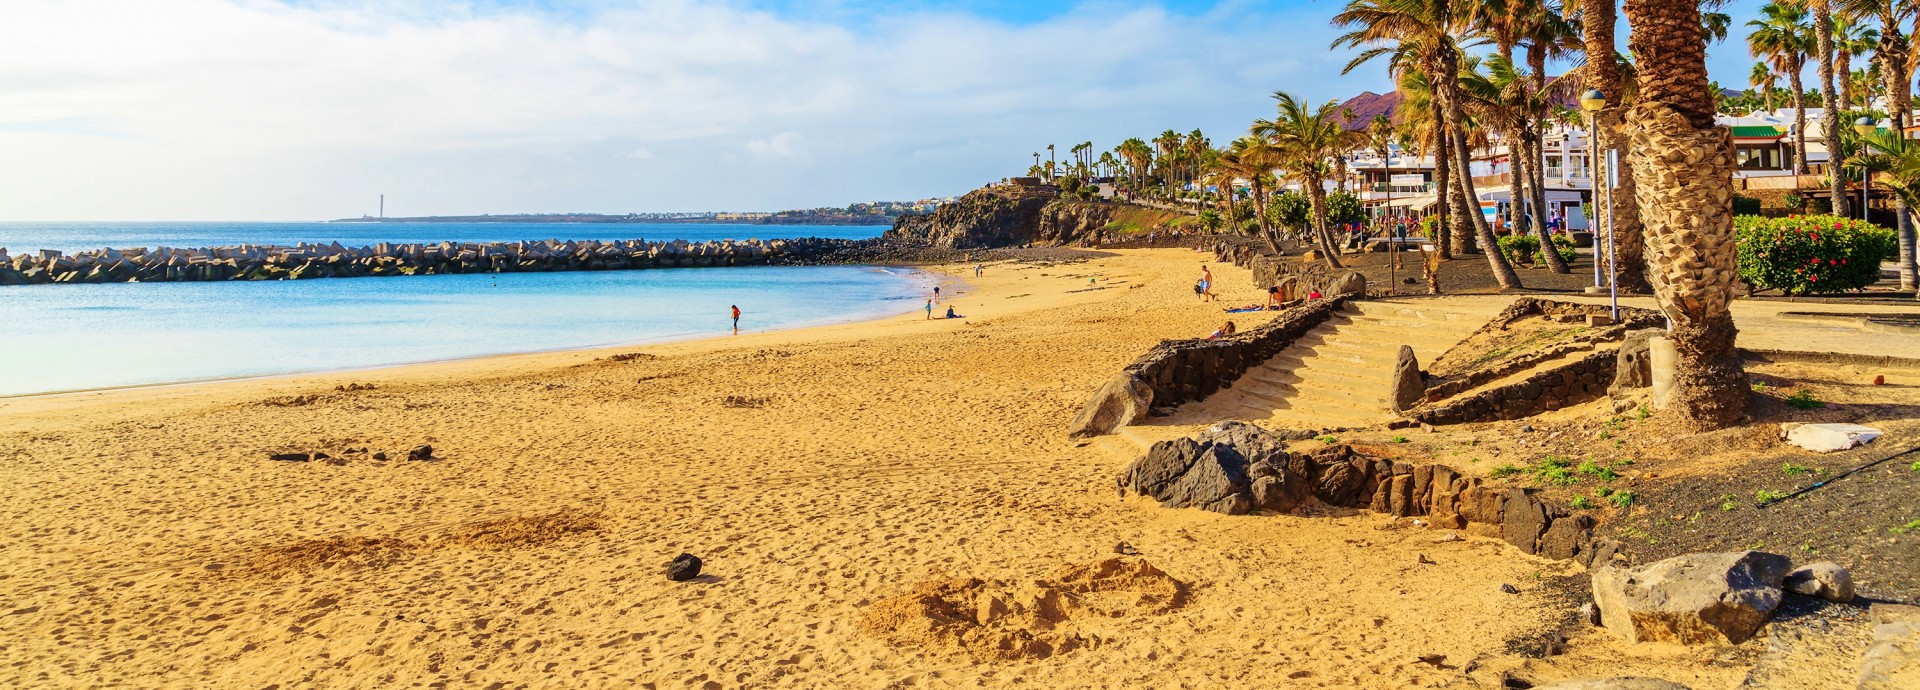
(304, 261)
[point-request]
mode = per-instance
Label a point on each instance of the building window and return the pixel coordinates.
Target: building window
(1758, 156)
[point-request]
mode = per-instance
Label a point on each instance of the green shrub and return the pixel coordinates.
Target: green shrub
(1506, 470)
(1765, 496)
(1746, 205)
(1621, 499)
(1211, 220)
(1519, 248)
(1289, 210)
(1803, 400)
(1580, 503)
(1805, 255)
(1343, 207)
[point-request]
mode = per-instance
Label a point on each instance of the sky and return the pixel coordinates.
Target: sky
(311, 109)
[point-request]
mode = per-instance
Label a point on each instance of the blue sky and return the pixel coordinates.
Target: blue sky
(307, 109)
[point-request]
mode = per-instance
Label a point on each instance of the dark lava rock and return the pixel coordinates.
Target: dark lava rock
(683, 567)
(1409, 388)
(1510, 589)
(290, 457)
(381, 456)
(419, 453)
(1184, 473)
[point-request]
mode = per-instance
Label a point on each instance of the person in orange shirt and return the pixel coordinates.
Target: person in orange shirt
(736, 319)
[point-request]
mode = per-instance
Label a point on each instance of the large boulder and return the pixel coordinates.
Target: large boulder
(1184, 473)
(1349, 283)
(1123, 400)
(1409, 387)
(1697, 598)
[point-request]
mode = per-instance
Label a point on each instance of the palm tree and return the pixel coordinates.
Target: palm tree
(1829, 101)
(1684, 164)
(1850, 40)
(1505, 97)
(1897, 61)
(1781, 35)
(1421, 117)
(1761, 77)
(1897, 158)
(1426, 34)
(1306, 137)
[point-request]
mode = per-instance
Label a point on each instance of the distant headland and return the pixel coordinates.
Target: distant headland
(865, 213)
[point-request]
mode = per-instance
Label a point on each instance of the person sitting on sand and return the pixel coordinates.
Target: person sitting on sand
(1273, 298)
(1222, 331)
(952, 315)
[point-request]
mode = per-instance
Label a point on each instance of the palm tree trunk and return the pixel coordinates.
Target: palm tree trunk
(1260, 214)
(1629, 264)
(1442, 184)
(1317, 192)
(1895, 53)
(1684, 163)
(1799, 123)
(1536, 127)
(1536, 154)
(1830, 100)
(1843, 68)
(1503, 272)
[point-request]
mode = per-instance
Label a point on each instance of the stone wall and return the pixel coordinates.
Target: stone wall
(1269, 269)
(1182, 371)
(1580, 381)
(1238, 468)
(1534, 307)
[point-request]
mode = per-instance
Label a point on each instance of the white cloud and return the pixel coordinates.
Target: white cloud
(782, 145)
(247, 109)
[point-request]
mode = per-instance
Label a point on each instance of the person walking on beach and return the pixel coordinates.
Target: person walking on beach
(936, 293)
(736, 319)
(1206, 284)
(929, 310)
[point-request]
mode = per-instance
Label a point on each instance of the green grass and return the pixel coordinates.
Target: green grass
(1600, 472)
(1916, 467)
(1398, 439)
(1604, 435)
(1913, 526)
(1803, 400)
(1604, 491)
(1580, 503)
(1765, 496)
(1792, 469)
(1728, 502)
(1554, 469)
(1507, 470)
(1329, 439)
(1645, 411)
(1621, 499)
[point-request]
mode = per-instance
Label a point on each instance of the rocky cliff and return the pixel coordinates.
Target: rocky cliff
(1008, 216)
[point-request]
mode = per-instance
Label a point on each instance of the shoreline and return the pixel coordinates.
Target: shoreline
(925, 275)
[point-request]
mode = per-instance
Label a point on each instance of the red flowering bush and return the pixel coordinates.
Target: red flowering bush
(1802, 255)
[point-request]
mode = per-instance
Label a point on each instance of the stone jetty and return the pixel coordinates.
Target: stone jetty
(302, 261)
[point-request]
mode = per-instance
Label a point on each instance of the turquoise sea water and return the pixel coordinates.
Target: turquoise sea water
(73, 337)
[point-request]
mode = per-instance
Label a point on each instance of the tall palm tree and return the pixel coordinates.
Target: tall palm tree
(1306, 137)
(1829, 101)
(1782, 36)
(1603, 72)
(1253, 159)
(1421, 117)
(1761, 77)
(1851, 39)
(1684, 165)
(1506, 97)
(1897, 61)
(1426, 33)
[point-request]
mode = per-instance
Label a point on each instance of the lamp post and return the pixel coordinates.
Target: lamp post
(1863, 127)
(1591, 102)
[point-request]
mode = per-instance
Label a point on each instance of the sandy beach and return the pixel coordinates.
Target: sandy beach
(149, 541)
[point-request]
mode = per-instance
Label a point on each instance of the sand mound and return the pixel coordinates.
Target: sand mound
(521, 530)
(991, 620)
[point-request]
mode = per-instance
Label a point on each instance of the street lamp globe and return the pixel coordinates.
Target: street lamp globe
(1593, 100)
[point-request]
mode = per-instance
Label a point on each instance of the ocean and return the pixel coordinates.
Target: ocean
(76, 337)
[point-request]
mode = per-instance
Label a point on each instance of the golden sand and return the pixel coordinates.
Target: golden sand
(149, 541)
